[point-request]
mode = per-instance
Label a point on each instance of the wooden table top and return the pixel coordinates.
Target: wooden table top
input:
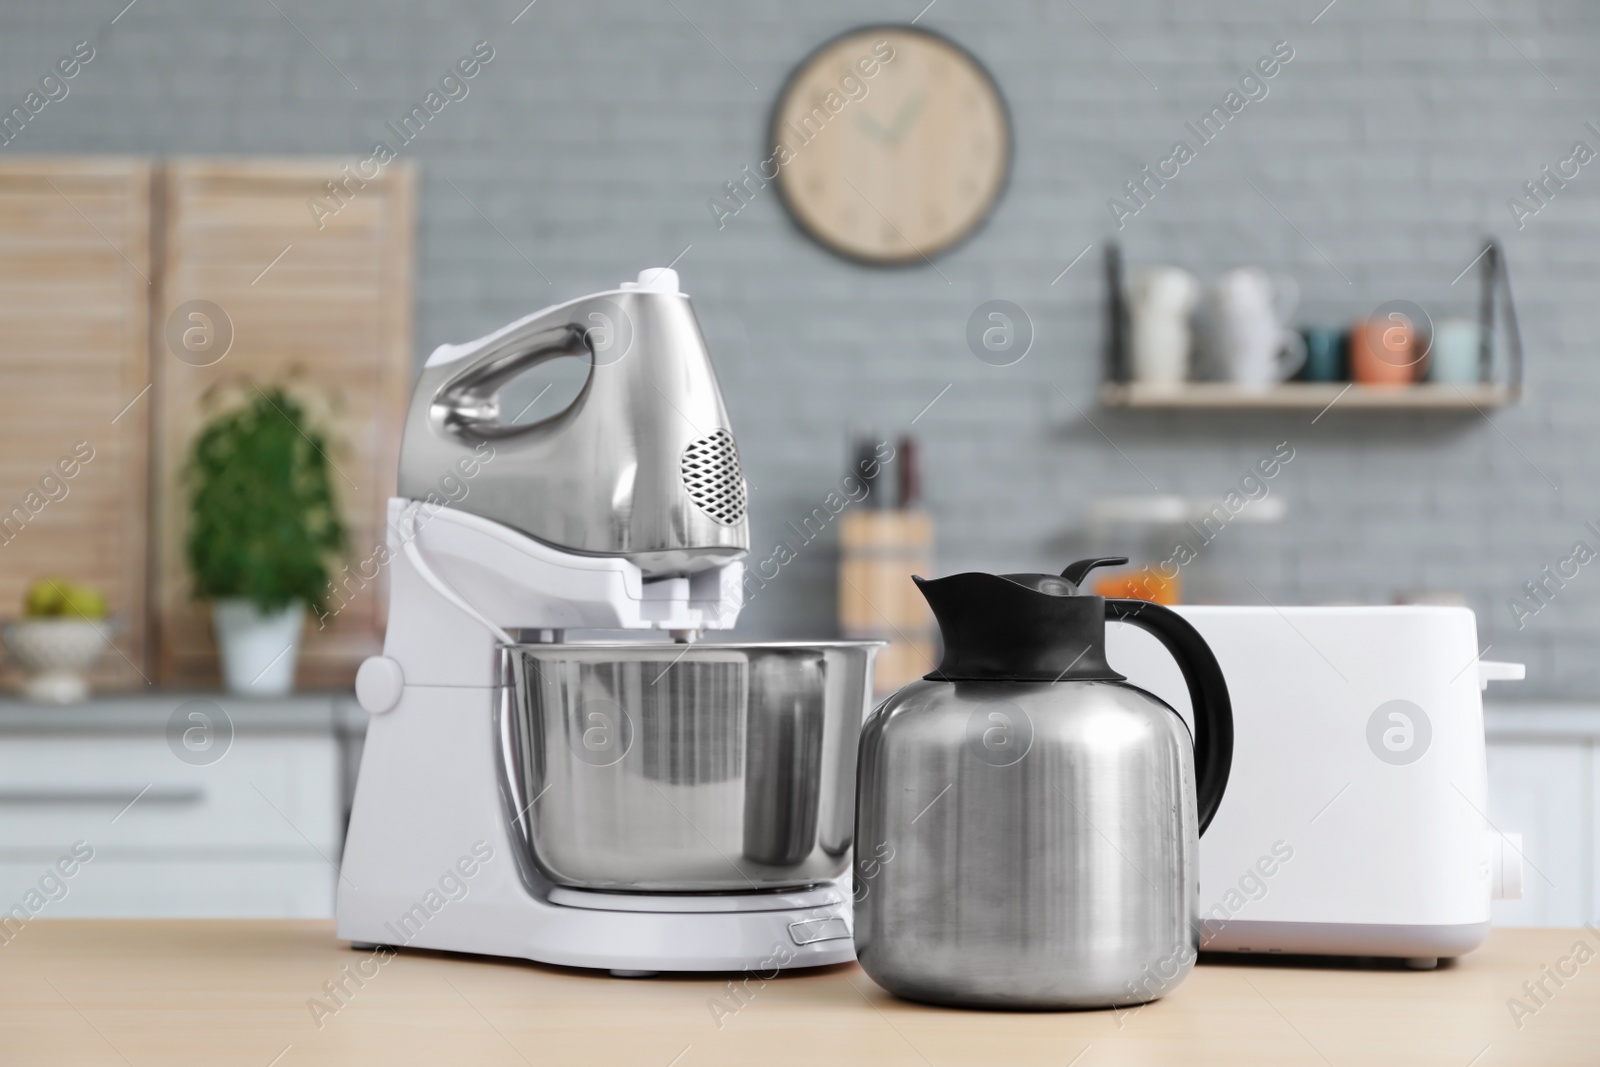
(114, 992)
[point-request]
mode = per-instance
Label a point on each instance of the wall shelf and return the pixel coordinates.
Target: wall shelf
(1314, 396)
(1500, 375)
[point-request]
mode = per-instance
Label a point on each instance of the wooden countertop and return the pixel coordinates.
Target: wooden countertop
(89, 992)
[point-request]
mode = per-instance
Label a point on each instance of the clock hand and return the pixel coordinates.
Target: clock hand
(870, 126)
(904, 118)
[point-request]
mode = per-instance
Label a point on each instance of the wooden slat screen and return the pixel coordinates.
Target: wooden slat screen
(75, 295)
(332, 303)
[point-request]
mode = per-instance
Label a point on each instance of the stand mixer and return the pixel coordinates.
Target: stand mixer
(628, 804)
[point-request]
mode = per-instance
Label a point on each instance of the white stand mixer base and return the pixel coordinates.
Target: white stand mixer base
(431, 862)
(636, 944)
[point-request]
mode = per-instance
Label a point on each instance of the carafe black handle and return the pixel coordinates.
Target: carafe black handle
(1208, 693)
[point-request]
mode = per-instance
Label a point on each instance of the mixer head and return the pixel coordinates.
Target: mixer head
(642, 465)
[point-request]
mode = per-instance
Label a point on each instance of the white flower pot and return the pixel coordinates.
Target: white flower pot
(259, 649)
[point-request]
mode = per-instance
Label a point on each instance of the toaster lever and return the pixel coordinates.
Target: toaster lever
(1496, 671)
(1505, 858)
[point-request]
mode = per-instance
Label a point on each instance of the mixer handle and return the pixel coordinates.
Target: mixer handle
(468, 404)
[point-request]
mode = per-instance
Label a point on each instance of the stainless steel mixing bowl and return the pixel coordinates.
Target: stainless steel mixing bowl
(685, 768)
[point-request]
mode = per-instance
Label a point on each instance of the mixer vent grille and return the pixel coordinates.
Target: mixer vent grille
(713, 479)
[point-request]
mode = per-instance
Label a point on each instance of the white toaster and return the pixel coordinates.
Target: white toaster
(1355, 822)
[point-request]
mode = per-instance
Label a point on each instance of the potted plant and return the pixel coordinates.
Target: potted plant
(263, 528)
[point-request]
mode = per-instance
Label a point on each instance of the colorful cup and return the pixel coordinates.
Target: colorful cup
(1325, 355)
(1456, 352)
(1384, 351)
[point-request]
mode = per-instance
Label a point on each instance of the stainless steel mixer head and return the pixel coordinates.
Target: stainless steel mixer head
(641, 465)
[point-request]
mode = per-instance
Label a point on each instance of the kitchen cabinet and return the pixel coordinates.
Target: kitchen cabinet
(247, 822)
(1544, 782)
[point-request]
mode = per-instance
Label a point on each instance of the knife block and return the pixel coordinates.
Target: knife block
(879, 551)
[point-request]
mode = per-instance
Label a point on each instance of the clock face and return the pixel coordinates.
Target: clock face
(891, 144)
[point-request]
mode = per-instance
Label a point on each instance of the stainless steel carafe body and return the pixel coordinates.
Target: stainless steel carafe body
(1029, 845)
(1027, 824)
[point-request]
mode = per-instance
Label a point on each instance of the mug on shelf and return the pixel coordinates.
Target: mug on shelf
(1385, 351)
(1160, 301)
(1456, 356)
(1325, 355)
(1247, 309)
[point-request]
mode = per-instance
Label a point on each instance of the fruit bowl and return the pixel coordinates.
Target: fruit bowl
(57, 653)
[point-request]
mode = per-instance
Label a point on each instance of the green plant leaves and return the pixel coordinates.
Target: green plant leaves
(263, 520)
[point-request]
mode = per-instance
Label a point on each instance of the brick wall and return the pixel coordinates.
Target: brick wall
(593, 139)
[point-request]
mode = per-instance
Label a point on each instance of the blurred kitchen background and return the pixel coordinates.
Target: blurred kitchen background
(173, 173)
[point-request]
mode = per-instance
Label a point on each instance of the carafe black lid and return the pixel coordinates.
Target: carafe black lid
(1021, 627)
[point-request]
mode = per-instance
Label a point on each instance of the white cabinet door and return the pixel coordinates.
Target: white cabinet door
(124, 888)
(130, 793)
(1546, 790)
(254, 835)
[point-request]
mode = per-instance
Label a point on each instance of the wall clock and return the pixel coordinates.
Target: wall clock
(891, 145)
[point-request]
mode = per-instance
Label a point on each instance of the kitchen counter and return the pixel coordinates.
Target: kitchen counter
(151, 711)
(1541, 720)
(90, 992)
